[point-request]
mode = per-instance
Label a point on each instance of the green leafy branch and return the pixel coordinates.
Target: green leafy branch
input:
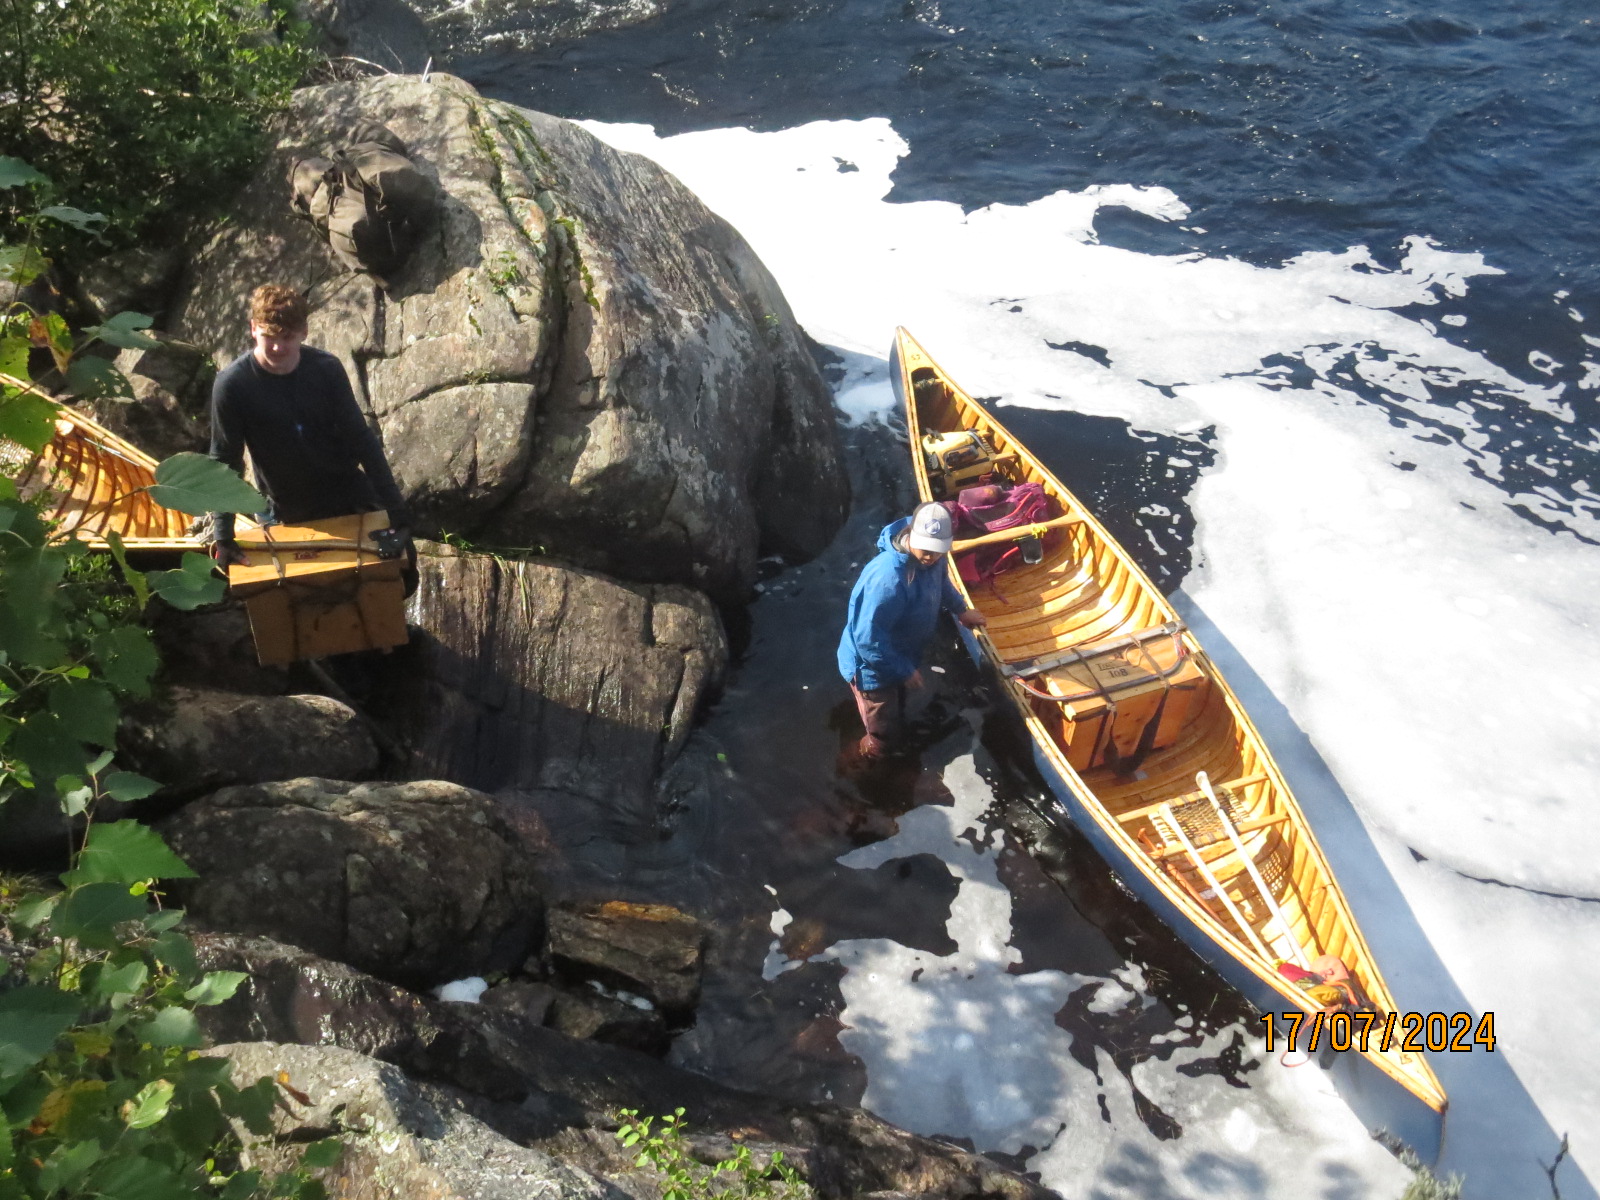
(103, 1091)
(660, 1145)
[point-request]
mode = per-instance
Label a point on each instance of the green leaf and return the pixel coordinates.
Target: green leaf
(321, 1154)
(27, 419)
(75, 795)
(127, 658)
(48, 748)
(172, 1027)
(124, 852)
(89, 376)
(242, 1186)
(193, 483)
(196, 1122)
(134, 579)
(132, 1177)
(194, 583)
(31, 1018)
(125, 786)
(29, 914)
(15, 173)
(76, 217)
(121, 981)
(86, 709)
(68, 1165)
(176, 951)
(164, 920)
(150, 1104)
(92, 913)
(122, 331)
(21, 265)
(216, 987)
(102, 760)
(14, 356)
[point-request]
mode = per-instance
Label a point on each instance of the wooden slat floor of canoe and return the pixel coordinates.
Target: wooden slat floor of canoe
(1206, 745)
(1047, 608)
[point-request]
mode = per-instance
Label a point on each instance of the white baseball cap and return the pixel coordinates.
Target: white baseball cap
(931, 529)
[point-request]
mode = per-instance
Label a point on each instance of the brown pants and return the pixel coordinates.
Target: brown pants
(883, 712)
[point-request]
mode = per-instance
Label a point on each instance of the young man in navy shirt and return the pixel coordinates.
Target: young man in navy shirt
(291, 407)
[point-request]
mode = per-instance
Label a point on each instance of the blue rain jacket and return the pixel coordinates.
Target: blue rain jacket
(894, 610)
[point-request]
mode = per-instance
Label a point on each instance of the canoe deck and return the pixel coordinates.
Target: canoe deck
(1240, 863)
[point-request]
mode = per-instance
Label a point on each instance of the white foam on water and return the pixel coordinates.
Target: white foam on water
(462, 991)
(958, 1045)
(1438, 650)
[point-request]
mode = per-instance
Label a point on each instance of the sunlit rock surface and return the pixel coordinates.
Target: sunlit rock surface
(579, 357)
(198, 739)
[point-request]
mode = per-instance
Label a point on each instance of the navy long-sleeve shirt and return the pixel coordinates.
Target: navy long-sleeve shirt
(314, 454)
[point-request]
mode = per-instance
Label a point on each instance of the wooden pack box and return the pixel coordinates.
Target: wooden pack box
(320, 588)
(1136, 692)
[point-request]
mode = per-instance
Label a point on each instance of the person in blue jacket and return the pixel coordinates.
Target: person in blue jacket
(894, 610)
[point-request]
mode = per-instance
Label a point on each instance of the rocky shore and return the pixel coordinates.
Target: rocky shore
(600, 408)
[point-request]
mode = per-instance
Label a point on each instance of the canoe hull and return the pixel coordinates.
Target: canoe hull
(1378, 1100)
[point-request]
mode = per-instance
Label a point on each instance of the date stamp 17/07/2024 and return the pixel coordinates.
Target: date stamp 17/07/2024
(1369, 1032)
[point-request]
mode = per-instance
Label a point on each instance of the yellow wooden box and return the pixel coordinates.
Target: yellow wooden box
(320, 588)
(1110, 699)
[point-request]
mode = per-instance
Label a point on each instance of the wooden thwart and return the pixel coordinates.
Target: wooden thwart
(1233, 785)
(1012, 535)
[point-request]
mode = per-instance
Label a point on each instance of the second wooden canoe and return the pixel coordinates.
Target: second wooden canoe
(1149, 752)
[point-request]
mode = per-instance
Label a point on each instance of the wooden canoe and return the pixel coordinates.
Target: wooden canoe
(1125, 712)
(90, 482)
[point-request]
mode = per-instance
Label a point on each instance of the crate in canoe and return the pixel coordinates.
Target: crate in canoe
(1114, 701)
(320, 588)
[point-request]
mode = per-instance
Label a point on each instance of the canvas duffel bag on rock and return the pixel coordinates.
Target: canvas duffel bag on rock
(368, 200)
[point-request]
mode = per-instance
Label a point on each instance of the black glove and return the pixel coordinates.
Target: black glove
(226, 552)
(393, 542)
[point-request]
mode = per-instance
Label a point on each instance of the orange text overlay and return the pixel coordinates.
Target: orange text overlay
(1371, 1033)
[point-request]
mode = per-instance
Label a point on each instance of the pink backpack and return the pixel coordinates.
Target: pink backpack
(989, 509)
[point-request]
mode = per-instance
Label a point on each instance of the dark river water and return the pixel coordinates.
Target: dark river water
(1286, 128)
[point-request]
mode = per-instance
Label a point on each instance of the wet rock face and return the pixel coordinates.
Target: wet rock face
(415, 882)
(198, 739)
(585, 1013)
(649, 950)
(580, 356)
(213, 643)
(539, 677)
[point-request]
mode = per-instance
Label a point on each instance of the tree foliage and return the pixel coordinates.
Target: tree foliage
(142, 107)
(102, 1091)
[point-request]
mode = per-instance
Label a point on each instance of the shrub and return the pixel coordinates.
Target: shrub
(659, 1142)
(140, 108)
(102, 1090)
